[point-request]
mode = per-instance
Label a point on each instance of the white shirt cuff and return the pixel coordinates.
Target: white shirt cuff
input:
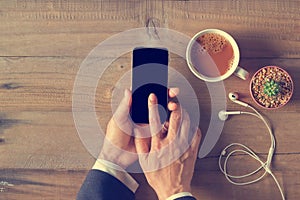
(178, 195)
(117, 172)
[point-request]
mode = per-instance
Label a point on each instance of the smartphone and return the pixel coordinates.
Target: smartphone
(149, 75)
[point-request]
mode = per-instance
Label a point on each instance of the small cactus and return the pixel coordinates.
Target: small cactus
(271, 88)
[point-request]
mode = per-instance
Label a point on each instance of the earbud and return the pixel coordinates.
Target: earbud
(223, 115)
(233, 96)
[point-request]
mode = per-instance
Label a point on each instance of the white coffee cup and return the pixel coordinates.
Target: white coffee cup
(233, 69)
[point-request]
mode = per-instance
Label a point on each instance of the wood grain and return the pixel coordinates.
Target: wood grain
(64, 184)
(43, 43)
(263, 29)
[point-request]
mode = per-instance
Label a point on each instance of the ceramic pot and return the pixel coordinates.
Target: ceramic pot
(271, 87)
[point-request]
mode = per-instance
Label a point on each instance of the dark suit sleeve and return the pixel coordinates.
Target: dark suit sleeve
(99, 185)
(186, 198)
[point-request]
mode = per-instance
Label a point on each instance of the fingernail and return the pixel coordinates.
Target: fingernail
(152, 98)
(172, 106)
(174, 91)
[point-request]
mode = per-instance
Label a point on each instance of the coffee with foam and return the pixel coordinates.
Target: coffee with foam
(212, 55)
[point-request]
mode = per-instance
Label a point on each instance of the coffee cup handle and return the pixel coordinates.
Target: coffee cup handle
(241, 73)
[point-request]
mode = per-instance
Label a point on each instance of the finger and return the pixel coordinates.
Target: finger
(142, 144)
(124, 106)
(192, 151)
(184, 131)
(172, 106)
(196, 142)
(128, 95)
(174, 123)
(164, 130)
(173, 92)
(154, 118)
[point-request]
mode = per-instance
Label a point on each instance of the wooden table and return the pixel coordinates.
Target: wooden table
(42, 44)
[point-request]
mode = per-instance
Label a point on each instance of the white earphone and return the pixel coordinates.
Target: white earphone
(233, 96)
(223, 115)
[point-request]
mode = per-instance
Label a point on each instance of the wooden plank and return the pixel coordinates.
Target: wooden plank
(210, 186)
(46, 83)
(64, 184)
(263, 29)
(40, 140)
(37, 184)
(48, 140)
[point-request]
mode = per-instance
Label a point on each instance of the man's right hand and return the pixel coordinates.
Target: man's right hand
(175, 177)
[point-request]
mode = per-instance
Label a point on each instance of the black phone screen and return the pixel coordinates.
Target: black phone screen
(149, 75)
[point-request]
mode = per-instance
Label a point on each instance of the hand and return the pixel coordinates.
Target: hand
(177, 176)
(118, 140)
(119, 147)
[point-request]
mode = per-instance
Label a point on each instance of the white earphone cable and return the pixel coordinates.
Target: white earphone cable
(246, 150)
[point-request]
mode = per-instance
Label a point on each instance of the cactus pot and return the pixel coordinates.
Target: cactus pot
(271, 87)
